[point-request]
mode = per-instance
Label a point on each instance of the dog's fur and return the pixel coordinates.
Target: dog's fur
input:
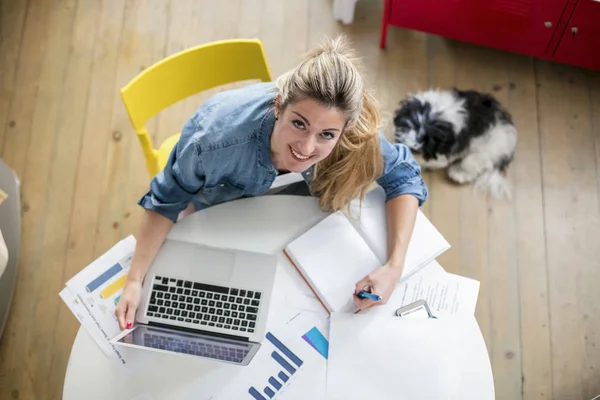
(467, 131)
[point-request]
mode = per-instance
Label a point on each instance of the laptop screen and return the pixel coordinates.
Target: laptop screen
(188, 343)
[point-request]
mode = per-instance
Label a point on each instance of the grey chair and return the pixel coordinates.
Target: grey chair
(10, 224)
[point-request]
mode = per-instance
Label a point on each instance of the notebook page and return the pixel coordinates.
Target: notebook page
(426, 242)
(332, 256)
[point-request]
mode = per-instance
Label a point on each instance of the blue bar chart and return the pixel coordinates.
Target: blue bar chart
(103, 278)
(286, 359)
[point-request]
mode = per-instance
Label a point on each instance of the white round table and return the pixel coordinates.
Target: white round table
(264, 224)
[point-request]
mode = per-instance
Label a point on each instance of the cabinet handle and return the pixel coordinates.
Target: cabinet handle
(574, 31)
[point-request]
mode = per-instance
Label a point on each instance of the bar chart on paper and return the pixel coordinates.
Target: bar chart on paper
(97, 289)
(287, 360)
(101, 283)
(289, 364)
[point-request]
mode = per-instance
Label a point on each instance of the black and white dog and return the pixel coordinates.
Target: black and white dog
(467, 131)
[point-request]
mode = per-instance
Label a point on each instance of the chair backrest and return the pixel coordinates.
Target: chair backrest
(192, 71)
(186, 73)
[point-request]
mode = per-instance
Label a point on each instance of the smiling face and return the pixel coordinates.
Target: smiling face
(305, 133)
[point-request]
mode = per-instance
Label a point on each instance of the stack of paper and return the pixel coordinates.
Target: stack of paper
(94, 292)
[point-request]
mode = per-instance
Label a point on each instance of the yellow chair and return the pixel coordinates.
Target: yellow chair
(184, 74)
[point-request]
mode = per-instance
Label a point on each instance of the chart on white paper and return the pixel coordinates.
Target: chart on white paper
(95, 291)
(291, 363)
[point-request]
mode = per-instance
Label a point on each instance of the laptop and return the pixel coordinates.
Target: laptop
(203, 301)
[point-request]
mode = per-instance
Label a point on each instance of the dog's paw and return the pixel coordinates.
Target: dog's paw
(459, 175)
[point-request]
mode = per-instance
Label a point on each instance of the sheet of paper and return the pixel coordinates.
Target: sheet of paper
(375, 357)
(93, 293)
(291, 363)
(292, 291)
(426, 242)
(445, 293)
(84, 319)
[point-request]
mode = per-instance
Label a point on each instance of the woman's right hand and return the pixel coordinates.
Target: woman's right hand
(128, 304)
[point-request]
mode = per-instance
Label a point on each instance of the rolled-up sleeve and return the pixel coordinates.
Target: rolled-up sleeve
(173, 188)
(401, 174)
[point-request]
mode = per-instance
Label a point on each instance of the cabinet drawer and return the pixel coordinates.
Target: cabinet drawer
(523, 26)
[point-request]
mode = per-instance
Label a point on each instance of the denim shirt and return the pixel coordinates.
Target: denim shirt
(224, 154)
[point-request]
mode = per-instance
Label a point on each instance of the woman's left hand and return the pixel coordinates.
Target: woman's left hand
(381, 281)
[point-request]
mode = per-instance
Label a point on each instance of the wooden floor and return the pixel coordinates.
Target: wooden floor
(64, 131)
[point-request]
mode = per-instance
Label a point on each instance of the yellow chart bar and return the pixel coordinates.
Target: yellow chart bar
(113, 287)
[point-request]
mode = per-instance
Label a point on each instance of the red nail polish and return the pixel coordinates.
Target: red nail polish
(129, 324)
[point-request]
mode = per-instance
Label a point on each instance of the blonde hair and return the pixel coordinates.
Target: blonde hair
(330, 75)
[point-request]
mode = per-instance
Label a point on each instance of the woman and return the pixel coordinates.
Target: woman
(317, 120)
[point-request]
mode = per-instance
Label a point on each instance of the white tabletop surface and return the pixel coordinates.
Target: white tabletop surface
(264, 224)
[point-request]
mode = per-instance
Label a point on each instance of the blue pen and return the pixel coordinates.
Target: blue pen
(367, 295)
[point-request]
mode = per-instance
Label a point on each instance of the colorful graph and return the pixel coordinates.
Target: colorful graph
(103, 278)
(278, 355)
(113, 287)
(315, 338)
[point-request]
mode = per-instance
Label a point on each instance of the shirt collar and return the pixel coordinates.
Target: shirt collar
(264, 140)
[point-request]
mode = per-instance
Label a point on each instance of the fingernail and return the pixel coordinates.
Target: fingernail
(129, 324)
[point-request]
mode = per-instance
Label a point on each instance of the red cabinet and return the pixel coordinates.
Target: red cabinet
(540, 28)
(580, 42)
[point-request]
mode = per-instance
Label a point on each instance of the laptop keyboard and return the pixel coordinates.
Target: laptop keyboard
(202, 304)
(186, 346)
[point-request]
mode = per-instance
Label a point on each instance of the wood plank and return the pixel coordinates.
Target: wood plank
(17, 134)
(183, 25)
(474, 209)
(88, 194)
(408, 57)
(248, 26)
(591, 274)
(295, 32)
(13, 151)
(444, 197)
(25, 327)
(531, 253)
(321, 22)
(12, 21)
(271, 35)
(142, 44)
(59, 208)
(503, 273)
(572, 218)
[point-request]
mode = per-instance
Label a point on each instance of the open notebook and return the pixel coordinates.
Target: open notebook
(340, 250)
